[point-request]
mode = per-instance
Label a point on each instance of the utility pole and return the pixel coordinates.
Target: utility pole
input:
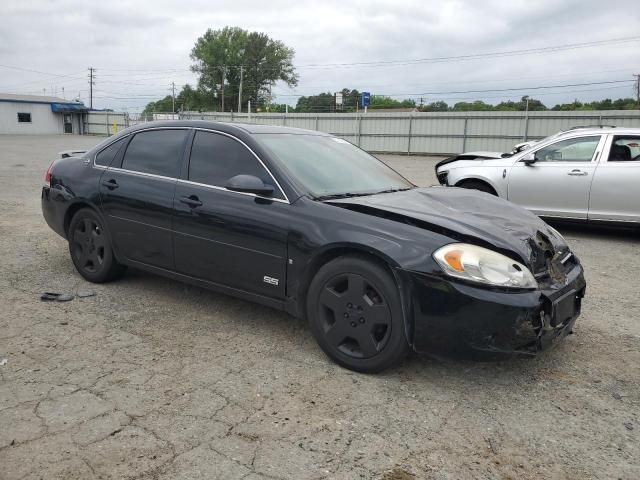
(223, 68)
(91, 84)
(173, 99)
(637, 90)
(526, 118)
(240, 90)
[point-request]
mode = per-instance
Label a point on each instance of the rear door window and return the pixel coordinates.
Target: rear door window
(625, 149)
(157, 152)
(216, 158)
(106, 156)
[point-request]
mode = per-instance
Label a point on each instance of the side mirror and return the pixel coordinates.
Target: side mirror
(249, 184)
(529, 159)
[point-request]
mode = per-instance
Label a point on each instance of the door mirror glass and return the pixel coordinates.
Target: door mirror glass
(529, 159)
(249, 184)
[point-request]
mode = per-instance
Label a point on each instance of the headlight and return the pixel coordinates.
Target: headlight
(477, 264)
(442, 177)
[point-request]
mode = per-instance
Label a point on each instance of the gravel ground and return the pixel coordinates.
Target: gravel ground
(151, 378)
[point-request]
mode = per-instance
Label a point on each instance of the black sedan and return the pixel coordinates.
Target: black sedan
(310, 224)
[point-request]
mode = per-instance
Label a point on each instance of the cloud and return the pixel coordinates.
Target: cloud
(139, 48)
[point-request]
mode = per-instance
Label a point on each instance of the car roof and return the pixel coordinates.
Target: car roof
(606, 129)
(228, 127)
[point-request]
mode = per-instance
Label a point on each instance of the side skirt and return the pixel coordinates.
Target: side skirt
(216, 287)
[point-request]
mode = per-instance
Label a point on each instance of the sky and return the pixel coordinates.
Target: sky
(139, 48)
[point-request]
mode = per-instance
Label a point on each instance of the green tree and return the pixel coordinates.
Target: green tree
(322, 103)
(381, 101)
(438, 106)
(219, 55)
(476, 106)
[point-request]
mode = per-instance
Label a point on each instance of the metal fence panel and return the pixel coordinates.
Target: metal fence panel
(415, 132)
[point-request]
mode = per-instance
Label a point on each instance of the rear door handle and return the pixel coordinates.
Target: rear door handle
(192, 200)
(110, 184)
(577, 173)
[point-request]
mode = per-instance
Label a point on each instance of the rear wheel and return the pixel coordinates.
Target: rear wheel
(478, 185)
(90, 248)
(355, 314)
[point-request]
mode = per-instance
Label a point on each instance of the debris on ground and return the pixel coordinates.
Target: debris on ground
(3, 362)
(398, 474)
(54, 296)
(628, 425)
(85, 294)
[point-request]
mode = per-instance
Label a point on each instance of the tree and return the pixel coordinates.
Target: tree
(476, 106)
(438, 106)
(381, 101)
(219, 56)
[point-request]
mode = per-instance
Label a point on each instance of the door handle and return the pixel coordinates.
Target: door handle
(192, 200)
(110, 184)
(577, 173)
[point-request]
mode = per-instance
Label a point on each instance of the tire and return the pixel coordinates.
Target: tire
(90, 248)
(355, 314)
(478, 185)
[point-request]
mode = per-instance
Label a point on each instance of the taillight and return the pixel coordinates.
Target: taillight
(47, 176)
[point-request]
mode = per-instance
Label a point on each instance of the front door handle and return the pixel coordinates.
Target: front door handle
(192, 200)
(577, 173)
(110, 184)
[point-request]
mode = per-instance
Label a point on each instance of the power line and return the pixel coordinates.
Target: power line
(540, 87)
(453, 58)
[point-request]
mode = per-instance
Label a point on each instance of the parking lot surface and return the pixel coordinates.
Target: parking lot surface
(151, 378)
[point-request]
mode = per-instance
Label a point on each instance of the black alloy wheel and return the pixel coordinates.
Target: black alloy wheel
(90, 248)
(355, 314)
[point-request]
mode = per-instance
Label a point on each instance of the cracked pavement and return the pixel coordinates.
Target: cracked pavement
(151, 378)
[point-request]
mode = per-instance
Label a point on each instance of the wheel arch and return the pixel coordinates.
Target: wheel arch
(484, 180)
(330, 253)
(74, 208)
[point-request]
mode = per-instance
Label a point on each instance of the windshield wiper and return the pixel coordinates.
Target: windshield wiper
(392, 190)
(334, 196)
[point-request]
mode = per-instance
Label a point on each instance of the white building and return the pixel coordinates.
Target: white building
(34, 114)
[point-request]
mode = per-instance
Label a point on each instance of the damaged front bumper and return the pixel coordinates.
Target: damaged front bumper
(457, 318)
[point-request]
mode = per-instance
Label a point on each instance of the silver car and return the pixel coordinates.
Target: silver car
(584, 173)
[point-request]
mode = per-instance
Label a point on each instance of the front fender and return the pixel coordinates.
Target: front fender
(495, 179)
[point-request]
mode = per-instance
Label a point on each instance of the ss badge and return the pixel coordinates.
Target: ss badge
(271, 280)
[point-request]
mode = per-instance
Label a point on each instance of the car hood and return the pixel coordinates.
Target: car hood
(470, 216)
(472, 156)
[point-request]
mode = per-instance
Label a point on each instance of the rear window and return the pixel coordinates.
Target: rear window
(157, 152)
(625, 149)
(106, 156)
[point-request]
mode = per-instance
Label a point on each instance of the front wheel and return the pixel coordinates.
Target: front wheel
(355, 314)
(90, 248)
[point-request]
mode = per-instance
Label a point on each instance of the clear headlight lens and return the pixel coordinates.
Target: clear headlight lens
(477, 264)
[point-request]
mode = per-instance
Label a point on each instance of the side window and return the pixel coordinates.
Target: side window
(156, 151)
(624, 149)
(106, 156)
(570, 150)
(216, 158)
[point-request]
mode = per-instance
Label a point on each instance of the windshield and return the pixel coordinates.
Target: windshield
(330, 166)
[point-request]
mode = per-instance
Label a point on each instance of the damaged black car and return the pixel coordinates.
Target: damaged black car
(310, 224)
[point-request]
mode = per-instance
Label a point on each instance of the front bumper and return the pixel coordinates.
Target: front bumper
(451, 317)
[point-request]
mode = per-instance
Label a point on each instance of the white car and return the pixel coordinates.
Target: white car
(590, 174)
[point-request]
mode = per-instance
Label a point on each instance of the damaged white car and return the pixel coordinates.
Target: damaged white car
(586, 173)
